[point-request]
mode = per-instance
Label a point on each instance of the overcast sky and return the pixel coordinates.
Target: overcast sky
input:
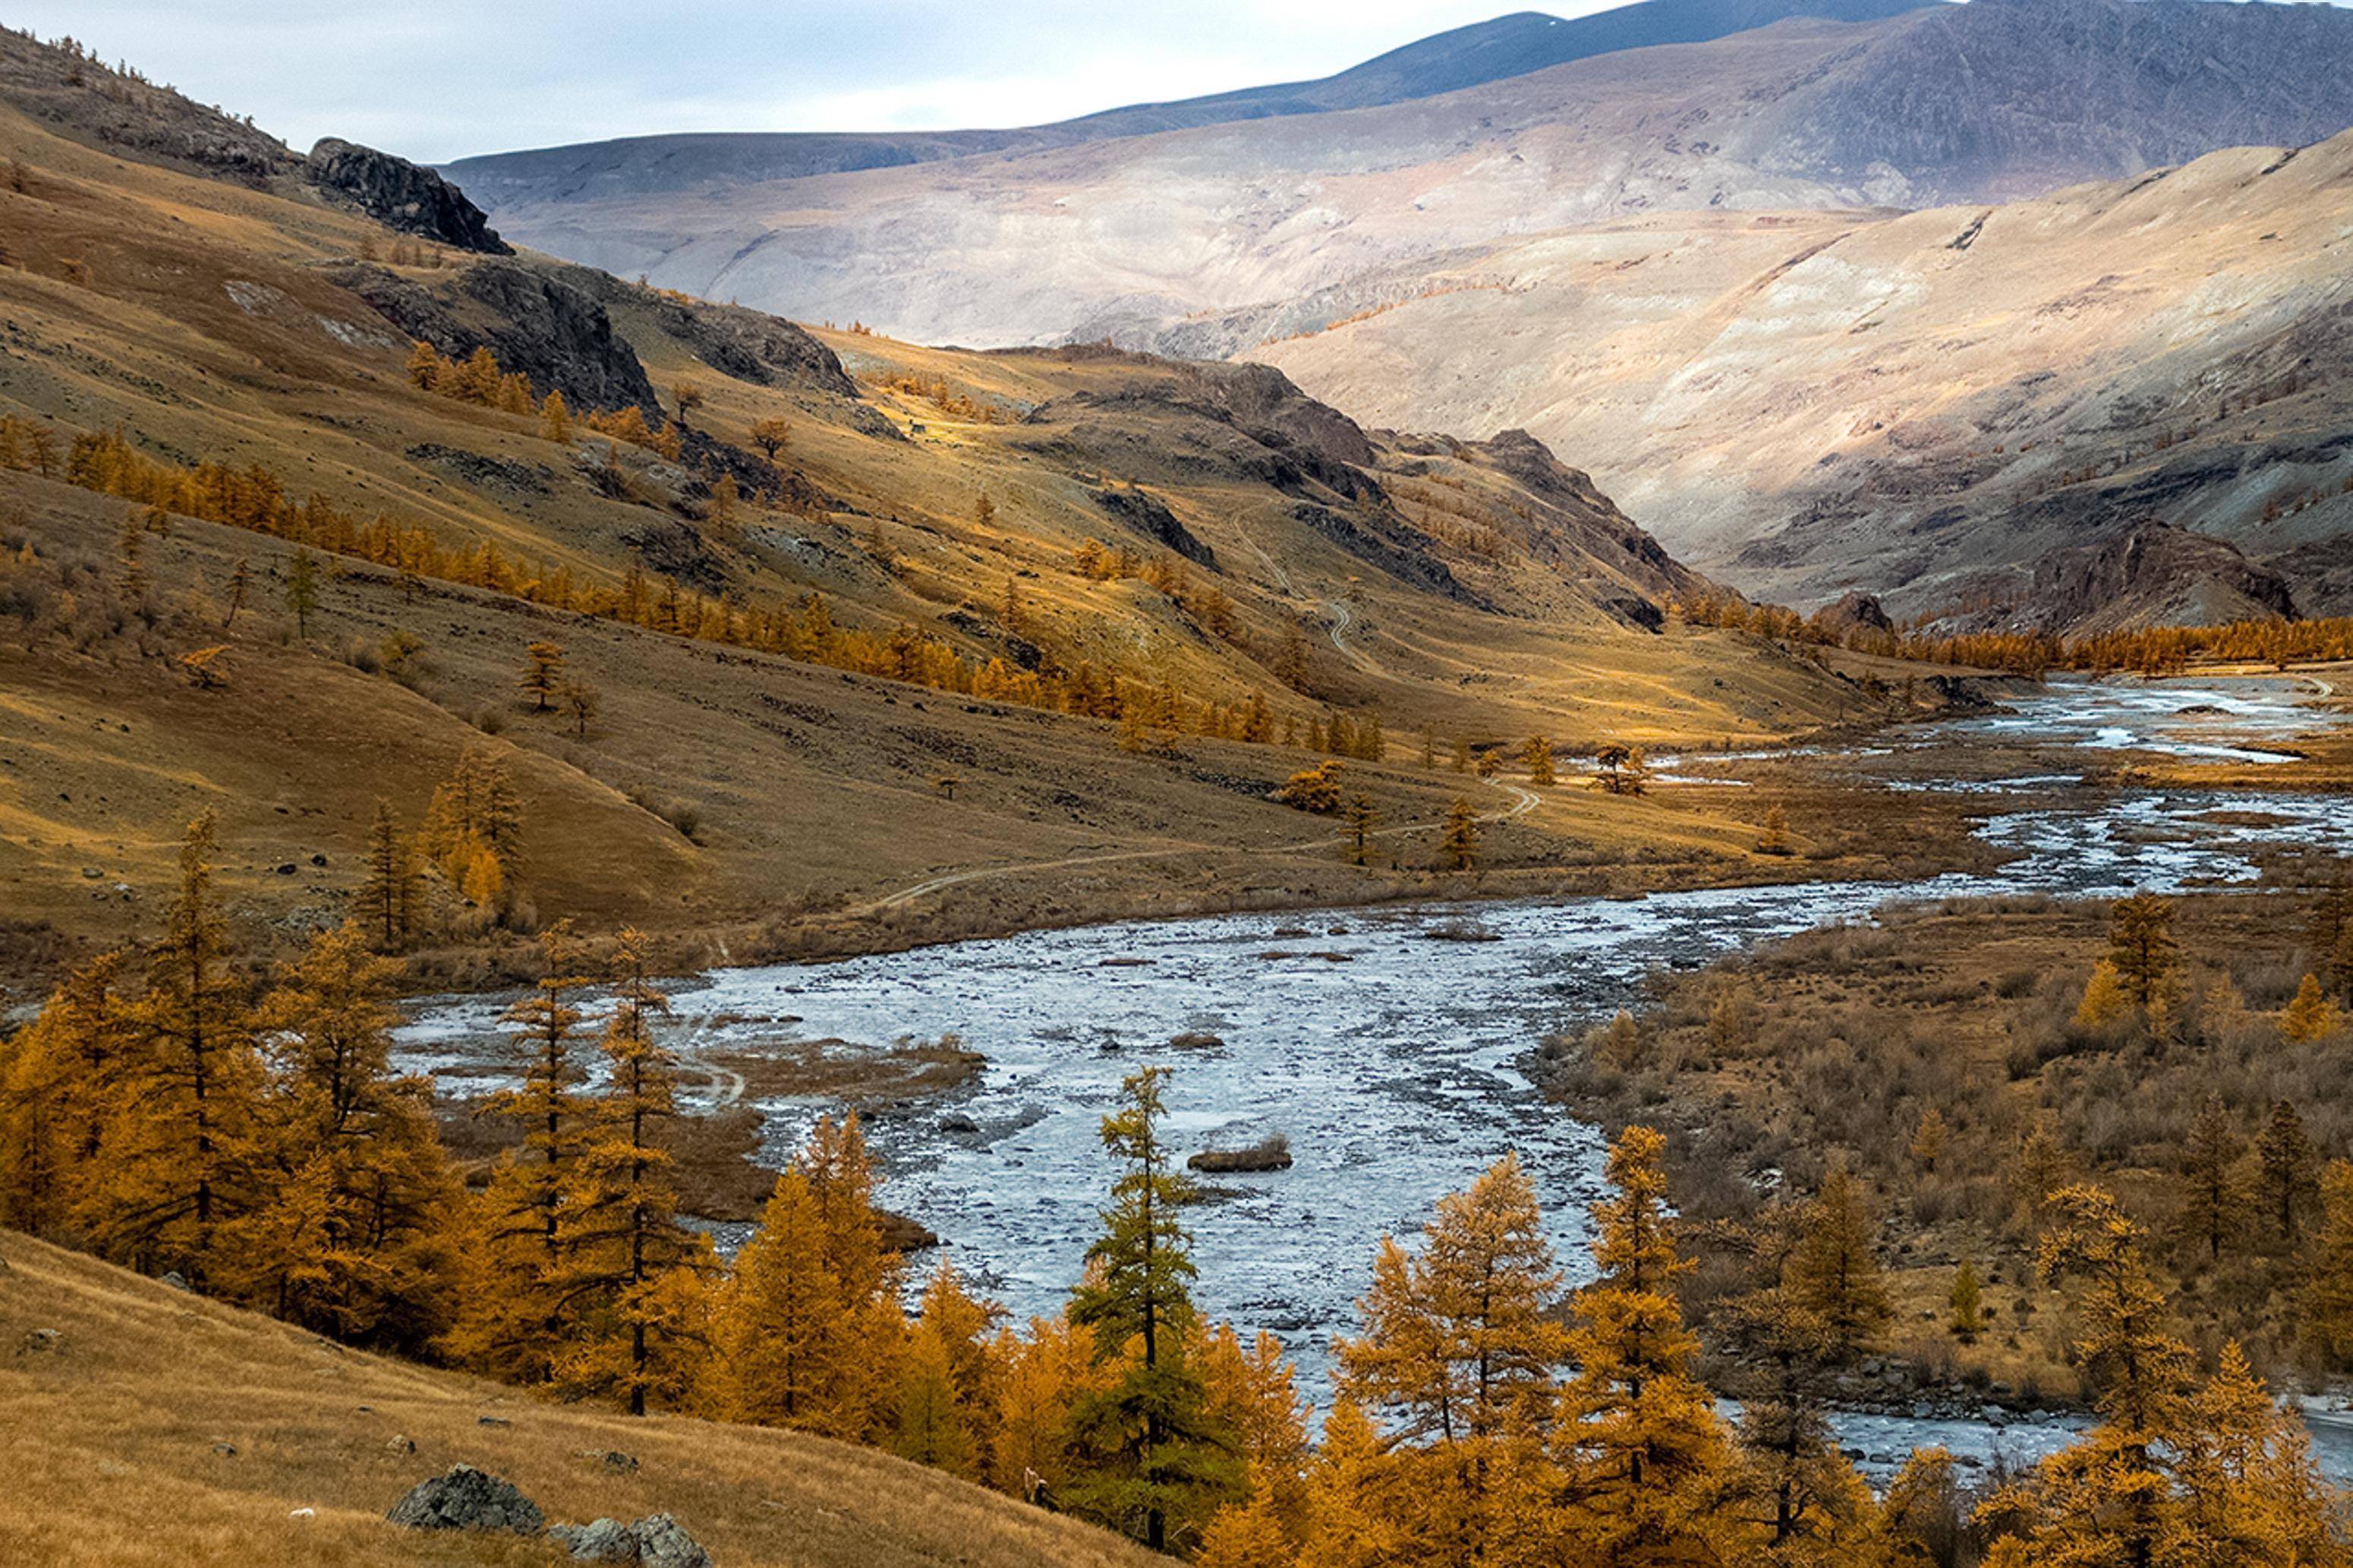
(435, 79)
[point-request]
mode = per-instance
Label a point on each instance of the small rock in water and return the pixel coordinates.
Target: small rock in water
(956, 1121)
(466, 1499)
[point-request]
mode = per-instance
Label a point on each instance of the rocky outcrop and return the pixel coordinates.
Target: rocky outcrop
(750, 346)
(74, 92)
(1145, 512)
(402, 195)
(2154, 575)
(560, 337)
(466, 1499)
(1857, 612)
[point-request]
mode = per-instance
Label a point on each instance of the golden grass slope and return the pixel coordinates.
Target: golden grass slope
(115, 1434)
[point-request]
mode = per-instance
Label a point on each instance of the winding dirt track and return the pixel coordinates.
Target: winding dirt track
(1523, 800)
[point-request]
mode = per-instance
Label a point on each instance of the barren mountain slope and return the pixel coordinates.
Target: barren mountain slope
(1988, 101)
(1811, 402)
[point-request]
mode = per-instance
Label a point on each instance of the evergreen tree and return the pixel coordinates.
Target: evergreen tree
(1153, 1455)
(302, 590)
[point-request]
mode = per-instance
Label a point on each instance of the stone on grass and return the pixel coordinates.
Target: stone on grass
(657, 1541)
(466, 1499)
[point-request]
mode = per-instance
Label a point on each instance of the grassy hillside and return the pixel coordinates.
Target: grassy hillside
(1266, 550)
(161, 1427)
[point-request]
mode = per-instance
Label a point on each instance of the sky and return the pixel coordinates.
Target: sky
(436, 79)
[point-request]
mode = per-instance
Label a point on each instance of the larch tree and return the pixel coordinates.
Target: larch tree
(1834, 1268)
(1639, 1436)
(1457, 843)
(2327, 1296)
(555, 419)
(628, 1272)
(353, 1240)
(390, 903)
(1360, 816)
(2310, 1016)
(543, 674)
(511, 1319)
(2287, 1168)
(1538, 755)
(1460, 1353)
(302, 590)
(1788, 1359)
(1151, 1454)
(183, 1143)
(61, 1078)
(772, 435)
(780, 1322)
(2142, 947)
(2212, 1181)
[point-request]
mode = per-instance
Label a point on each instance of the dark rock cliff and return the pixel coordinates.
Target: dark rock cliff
(402, 195)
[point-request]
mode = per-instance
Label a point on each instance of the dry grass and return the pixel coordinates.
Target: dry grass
(110, 1445)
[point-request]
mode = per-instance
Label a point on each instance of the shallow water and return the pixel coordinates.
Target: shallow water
(1389, 1056)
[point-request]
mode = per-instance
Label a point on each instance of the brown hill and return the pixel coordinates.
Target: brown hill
(147, 1425)
(744, 800)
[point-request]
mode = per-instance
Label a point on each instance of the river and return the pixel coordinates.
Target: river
(1389, 1051)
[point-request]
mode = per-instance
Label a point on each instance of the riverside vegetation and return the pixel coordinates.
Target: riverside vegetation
(163, 1114)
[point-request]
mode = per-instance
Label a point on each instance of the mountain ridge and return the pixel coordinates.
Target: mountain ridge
(1512, 45)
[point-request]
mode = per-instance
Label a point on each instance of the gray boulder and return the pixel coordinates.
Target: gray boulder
(466, 1499)
(657, 1541)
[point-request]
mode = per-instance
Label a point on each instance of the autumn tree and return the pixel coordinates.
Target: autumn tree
(1966, 1299)
(2287, 1170)
(543, 674)
(1459, 1349)
(2328, 1295)
(2310, 1016)
(579, 703)
(772, 435)
(627, 1271)
(390, 903)
(240, 586)
(1314, 790)
(2142, 948)
(1152, 1455)
(63, 1078)
(1775, 841)
(1457, 843)
(1834, 1268)
(1640, 1438)
(351, 1240)
(687, 396)
(1537, 753)
(555, 419)
(2211, 1179)
(302, 590)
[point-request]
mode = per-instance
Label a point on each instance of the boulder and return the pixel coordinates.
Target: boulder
(402, 195)
(657, 1541)
(468, 1498)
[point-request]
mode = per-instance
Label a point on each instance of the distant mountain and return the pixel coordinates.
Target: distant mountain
(1507, 47)
(1204, 241)
(1981, 408)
